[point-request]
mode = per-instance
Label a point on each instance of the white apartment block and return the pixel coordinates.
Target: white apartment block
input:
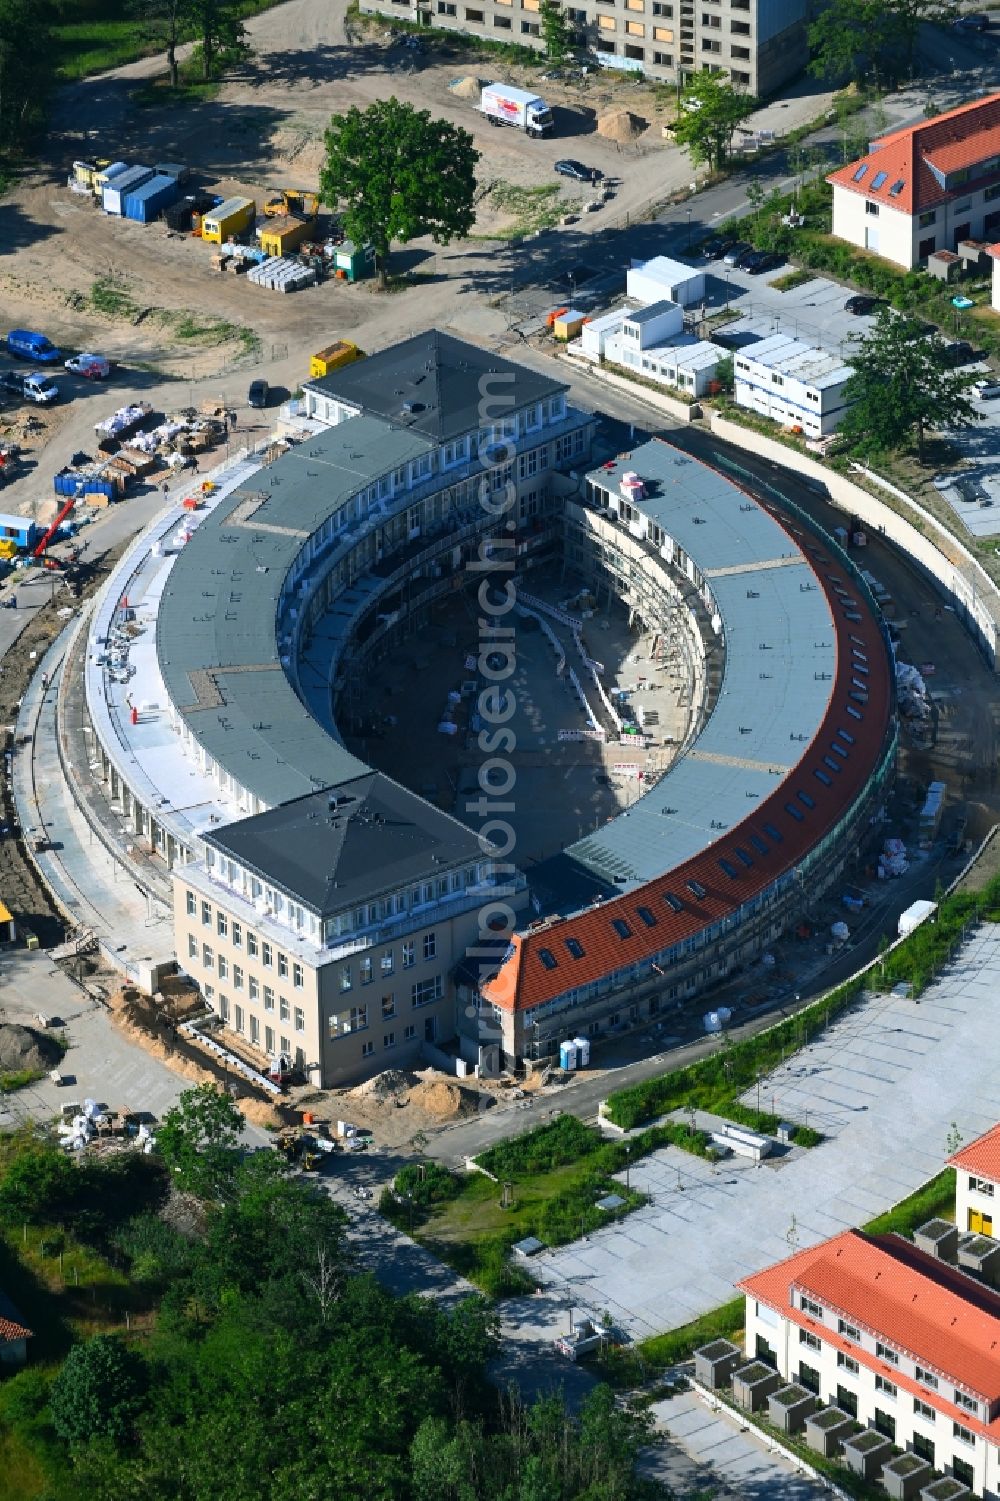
(800, 387)
(977, 1185)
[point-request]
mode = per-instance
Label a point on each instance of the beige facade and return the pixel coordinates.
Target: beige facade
(759, 43)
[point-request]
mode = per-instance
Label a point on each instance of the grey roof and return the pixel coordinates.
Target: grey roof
(347, 843)
(803, 362)
(777, 682)
(651, 310)
(216, 625)
(443, 380)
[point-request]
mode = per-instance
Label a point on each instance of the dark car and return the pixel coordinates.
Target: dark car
(976, 22)
(577, 171)
(761, 261)
(258, 394)
(736, 252)
(715, 247)
(959, 352)
(863, 304)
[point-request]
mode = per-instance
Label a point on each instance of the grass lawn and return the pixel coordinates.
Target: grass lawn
(22, 1477)
(475, 1213)
(94, 35)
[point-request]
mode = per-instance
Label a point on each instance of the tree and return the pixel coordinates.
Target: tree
(219, 28)
(165, 24)
(25, 68)
(556, 31)
(197, 1140)
(400, 175)
(902, 387)
(99, 1391)
(710, 111)
(40, 1184)
(851, 37)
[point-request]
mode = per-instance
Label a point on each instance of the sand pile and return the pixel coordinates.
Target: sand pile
(383, 1086)
(466, 88)
(24, 1048)
(437, 1096)
(621, 125)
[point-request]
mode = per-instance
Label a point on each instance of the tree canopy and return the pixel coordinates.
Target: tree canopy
(398, 174)
(99, 1391)
(25, 68)
(710, 111)
(556, 30)
(197, 1138)
(850, 38)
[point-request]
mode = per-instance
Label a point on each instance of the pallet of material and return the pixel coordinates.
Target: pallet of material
(279, 274)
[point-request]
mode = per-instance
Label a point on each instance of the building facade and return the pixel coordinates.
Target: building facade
(900, 1340)
(925, 188)
(793, 384)
(761, 44)
(977, 1184)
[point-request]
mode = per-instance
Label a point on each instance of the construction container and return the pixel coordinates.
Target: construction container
(231, 218)
(118, 189)
(279, 236)
(568, 324)
(333, 357)
(104, 175)
(85, 172)
(20, 530)
(176, 170)
(181, 214)
(148, 202)
(353, 262)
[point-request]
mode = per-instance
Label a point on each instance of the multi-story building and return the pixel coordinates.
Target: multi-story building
(792, 383)
(902, 1341)
(761, 44)
(924, 188)
(977, 1184)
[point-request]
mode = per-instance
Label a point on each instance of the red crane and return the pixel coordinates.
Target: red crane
(47, 537)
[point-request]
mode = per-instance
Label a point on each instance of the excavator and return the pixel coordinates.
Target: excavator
(295, 201)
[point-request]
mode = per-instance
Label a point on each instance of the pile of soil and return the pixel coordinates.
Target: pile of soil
(466, 88)
(439, 1097)
(24, 1048)
(621, 125)
(384, 1086)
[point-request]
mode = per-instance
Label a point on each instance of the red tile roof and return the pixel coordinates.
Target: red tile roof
(941, 1317)
(9, 1331)
(981, 1156)
(524, 980)
(961, 138)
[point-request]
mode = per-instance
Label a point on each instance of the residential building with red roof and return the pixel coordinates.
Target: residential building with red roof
(924, 188)
(977, 1184)
(902, 1340)
(14, 1335)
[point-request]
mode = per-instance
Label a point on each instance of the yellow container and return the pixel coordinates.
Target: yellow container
(568, 324)
(333, 357)
(282, 235)
(229, 219)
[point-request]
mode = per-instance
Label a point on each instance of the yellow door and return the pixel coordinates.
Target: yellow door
(976, 1221)
(987, 1224)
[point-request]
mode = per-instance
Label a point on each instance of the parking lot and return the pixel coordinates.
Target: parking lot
(884, 1085)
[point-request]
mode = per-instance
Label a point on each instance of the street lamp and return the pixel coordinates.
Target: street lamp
(727, 290)
(689, 229)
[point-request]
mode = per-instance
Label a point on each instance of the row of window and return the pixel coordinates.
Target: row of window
(887, 1353)
(358, 1018)
(366, 968)
(233, 931)
(239, 975)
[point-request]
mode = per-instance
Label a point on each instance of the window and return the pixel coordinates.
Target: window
(696, 889)
(809, 1377)
(812, 1340)
(662, 34)
(208, 956)
(963, 1471)
(224, 1007)
(282, 966)
(192, 905)
(575, 947)
(430, 946)
(923, 1447)
(923, 1410)
(192, 946)
(808, 1306)
(502, 23)
(635, 28)
(673, 902)
(297, 976)
(267, 954)
(964, 1435)
(239, 1019)
(848, 1330)
(223, 967)
(847, 1400)
(237, 977)
(237, 935)
(357, 1019)
(897, 188)
(253, 948)
(548, 958)
(408, 959)
(283, 1012)
(981, 1186)
(871, 208)
(300, 1019)
(606, 23)
(254, 988)
(386, 963)
(647, 916)
(860, 172)
(388, 1006)
(345, 977)
(886, 1352)
(709, 44)
(740, 28)
(663, 59)
(222, 924)
(365, 971)
(255, 1031)
(878, 181)
(269, 1039)
(445, 8)
(885, 1387)
(885, 1424)
(206, 914)
(285, 1045)
(368, 1048)
(268, 998)
(927, 1378)
(426, 991)
(847, 1364)
(969, 1403)
(409, 1033)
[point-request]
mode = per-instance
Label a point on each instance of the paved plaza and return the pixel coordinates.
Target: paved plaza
(884, 1084)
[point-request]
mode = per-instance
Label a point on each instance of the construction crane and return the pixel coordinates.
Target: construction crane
(39, 550)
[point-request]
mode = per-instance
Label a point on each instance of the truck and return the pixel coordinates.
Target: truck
(502, 104)
(41, 389)
(24, 344)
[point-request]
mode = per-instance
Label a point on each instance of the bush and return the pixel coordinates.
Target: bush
(99, 1391)
(426, 1183)
(539, 1151)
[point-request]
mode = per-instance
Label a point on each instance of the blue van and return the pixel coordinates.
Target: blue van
(26, 345)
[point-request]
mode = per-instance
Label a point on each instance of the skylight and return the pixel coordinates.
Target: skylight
(794, 812)
(646, 916)
(758, 844)
(575, 947)
(730, 869)
(621, 927)
(897, 188)
(878, 180)
(673, 902)
(861, 172)
(696, 889)
(548, 958)
(772, 832)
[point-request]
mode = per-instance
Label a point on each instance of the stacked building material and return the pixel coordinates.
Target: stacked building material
(279, 274)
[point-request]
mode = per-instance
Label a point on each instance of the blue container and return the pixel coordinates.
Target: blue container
(21, 530)
(149, 200)
(118, 188)
(68, 482)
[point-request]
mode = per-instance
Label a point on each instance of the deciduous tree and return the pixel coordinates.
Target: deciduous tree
(197, 1140)
(710, 111)
(99, 1391)
(399, 174)
(556, 31)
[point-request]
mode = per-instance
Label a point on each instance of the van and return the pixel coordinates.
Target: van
(26, 345)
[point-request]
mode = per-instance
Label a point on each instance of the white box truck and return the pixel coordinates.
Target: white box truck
(502, 104)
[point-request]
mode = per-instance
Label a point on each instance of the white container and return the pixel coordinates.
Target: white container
(582, 1045)
(567, 1056)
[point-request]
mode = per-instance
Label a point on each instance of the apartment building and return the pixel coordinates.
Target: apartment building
(792, 383)
(977, 1184)
(328, 929)
(924, 188)
(761, 44)
(904, 1342)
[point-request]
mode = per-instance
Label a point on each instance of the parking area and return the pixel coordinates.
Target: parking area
(884, 1085)
(813, 312)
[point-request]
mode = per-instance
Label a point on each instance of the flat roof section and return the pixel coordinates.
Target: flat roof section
(348, 843)
(437, 385)
(216, 627)
(802, 362)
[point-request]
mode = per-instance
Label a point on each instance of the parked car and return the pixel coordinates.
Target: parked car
(988, 388)
(576, 170)
(34, 386)
(975, 22)
(736, 252)
(748, 258)
(864, 304)
(764, 260)
(958, 352)
(25, 344)
(715, 247)
(91, 366)
(258, 394)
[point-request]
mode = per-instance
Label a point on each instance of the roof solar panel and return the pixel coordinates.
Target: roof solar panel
(897, 188)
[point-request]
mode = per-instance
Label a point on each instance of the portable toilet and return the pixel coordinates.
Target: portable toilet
(105, 175)
(353, 262)
(147, 202)
(118, 189)
(582, 1045)
(567, 1056)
